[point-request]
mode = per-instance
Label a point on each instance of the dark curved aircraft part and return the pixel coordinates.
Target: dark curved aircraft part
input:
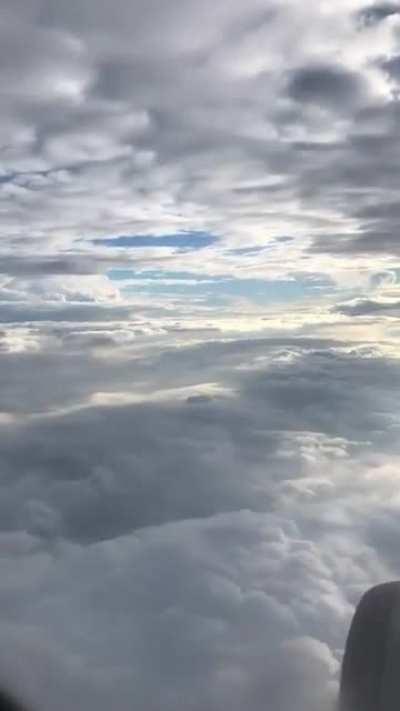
(9, 703)
(370, 678)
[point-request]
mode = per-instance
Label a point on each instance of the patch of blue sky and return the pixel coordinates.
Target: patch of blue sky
(180, 240)
(214, 290)
(154, 274)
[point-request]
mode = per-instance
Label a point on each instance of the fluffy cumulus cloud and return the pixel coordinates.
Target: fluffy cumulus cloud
(200, 540)
(199, 361)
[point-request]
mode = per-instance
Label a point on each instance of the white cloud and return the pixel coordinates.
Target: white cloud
(197, 553)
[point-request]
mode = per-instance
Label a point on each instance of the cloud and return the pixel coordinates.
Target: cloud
(198, 430)
(366, 307)
(392, 66)
(49, 265)
(181, 588)
(77, 313)
(212, 548)
(326, 86)
(378, 12)
(107, 137)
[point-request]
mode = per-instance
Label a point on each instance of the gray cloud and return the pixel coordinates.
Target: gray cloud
(31, 266)
(392, 66)
(226, 526)
(378, 12)
(183, 584)
(327, 86)
(77, 313)
(107, 134)
(366, 307)
(190, 507)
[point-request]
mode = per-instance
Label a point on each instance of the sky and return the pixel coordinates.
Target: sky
(199, 347)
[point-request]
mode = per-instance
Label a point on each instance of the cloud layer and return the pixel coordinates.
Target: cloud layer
(199, 362)
(200, 544)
